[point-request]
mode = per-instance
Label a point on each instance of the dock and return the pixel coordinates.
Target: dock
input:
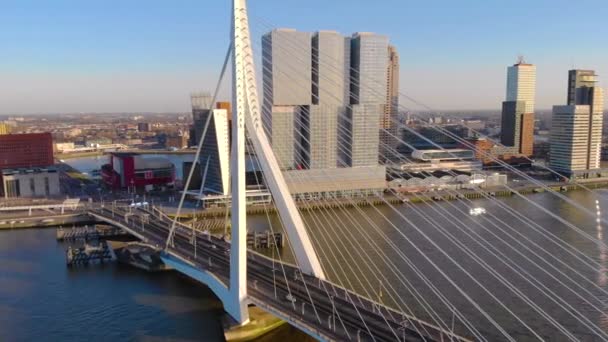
(86, 233)
(139, 256)
(90, 254)
(265, 240)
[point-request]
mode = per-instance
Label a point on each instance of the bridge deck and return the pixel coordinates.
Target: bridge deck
(333, 313)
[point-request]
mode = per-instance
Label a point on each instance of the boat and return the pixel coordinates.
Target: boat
(477, 211)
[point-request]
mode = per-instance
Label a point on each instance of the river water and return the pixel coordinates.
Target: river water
(361, 250)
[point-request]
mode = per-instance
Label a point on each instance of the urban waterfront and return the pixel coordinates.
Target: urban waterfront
(43, 300)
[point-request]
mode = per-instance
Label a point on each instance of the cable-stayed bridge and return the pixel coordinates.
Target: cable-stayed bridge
(388, 272)
(503, 298)
(318, 307)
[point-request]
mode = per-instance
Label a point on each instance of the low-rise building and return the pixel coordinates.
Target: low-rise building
(4, 128)
(177, 142)
(135, 172)
(336, 182)
(438, 160)
(65, 146)
(432, 182)
(95, 142)
(30, 182)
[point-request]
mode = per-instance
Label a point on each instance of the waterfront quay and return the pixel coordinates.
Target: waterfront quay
(20, 214)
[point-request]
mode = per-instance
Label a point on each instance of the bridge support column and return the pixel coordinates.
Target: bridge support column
(238, 252)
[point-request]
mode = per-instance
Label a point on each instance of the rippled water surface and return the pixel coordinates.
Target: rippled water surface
(42, 300)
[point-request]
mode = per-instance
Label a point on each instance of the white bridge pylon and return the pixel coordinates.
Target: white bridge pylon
(247, 115)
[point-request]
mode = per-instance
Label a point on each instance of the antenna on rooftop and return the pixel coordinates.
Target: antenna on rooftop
(521, 59)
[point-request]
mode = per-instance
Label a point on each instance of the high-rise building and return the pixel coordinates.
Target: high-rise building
(201, 104)
(325, 96)
(360, 129)
(389, 132)
(518, 109)
(576, 132)
(581, 85)
(318, 123)
(215, 153)
(287, 86)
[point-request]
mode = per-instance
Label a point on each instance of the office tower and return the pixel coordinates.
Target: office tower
(518, 109)
(215, 153)
(287, 84)
(389, 132)
(576, 132)
(360, 130)
(325, 95)
(318, 123)
(581, 85)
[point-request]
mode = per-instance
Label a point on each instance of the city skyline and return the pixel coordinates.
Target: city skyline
(77, 63)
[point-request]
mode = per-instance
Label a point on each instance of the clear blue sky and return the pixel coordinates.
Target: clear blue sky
(136, 55)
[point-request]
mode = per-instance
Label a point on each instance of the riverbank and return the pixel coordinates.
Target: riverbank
(138, 151)
(218, 214)
(260, 324)
(74, 155)
(64, 156)
(44, 221)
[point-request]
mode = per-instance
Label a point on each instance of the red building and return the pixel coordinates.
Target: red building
(132, 171)
(26, 150)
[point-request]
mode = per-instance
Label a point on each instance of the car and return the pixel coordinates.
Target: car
(290, 298)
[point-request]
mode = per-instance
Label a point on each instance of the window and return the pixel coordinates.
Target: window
(32, 186)
(47, 188)
(12, 188)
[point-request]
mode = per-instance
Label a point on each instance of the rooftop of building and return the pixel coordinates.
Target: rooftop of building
(27, 170)
(145, 163)
(152, 163)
